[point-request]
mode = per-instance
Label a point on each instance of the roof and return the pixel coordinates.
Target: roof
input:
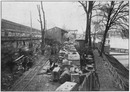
(72, 30)
(63, 30)
(19, 25)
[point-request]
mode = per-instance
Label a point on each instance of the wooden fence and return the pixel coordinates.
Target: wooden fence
(90, 82)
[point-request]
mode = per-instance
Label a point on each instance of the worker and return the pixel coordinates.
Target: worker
(82, 60)
(11, 64)
(50, 60)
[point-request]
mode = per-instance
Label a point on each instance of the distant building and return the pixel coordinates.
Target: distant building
(72, 35)
(80, 37)
(56, 34)
(12, 29)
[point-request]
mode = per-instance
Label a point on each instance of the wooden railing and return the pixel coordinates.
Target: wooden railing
(85, 85)
(90, 82)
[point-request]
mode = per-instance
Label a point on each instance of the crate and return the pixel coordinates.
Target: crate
(66, 62)
(76, 62)
(56, 73)
(75, 78)
(68, 86)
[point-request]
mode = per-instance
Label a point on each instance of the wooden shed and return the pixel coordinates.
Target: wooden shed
(56, 34)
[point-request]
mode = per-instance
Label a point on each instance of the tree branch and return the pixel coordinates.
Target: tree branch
(38, 8)
(43, 14)
(121, 17)
(116, 13)
(84, 7)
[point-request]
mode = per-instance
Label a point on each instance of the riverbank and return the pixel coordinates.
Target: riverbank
(105, 78)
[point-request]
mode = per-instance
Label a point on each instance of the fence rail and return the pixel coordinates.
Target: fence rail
(119, 50)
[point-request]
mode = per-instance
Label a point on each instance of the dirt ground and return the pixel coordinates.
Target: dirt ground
(42, 82)
(8, 79)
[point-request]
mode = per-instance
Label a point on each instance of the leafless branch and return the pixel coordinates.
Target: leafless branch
(38, 20)
(84, 7)
(116, 12)
(38, 8)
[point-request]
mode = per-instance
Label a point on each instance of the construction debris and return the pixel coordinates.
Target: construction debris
(65, 68)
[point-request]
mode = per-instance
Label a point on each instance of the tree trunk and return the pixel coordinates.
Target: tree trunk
(86, 34)
(94, 40)
(104, 39)
(89, 29)
(43, 43)
(89, 21)
(42, 29)
(89, 35)
(108, 25)
(88, 10)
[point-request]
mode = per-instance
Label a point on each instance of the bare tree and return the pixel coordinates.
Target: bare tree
(114, 16)
(88, 7)
(43, 28)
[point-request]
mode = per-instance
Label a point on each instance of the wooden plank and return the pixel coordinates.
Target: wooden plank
(18, 58)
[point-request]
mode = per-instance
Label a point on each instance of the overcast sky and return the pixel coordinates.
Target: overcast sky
(69, 15)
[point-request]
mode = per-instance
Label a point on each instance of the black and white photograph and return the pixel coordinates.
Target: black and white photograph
(65, 45)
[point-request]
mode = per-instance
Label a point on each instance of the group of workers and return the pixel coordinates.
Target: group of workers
(54, 50)
(25, 61)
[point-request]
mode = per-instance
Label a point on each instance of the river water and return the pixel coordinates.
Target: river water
(120, 43)
(123, 59)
